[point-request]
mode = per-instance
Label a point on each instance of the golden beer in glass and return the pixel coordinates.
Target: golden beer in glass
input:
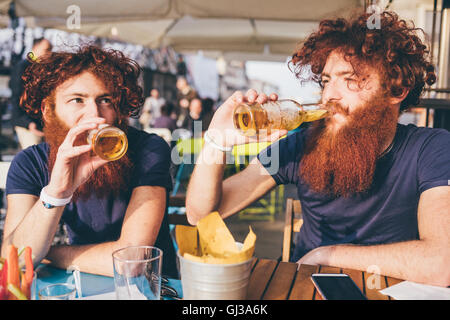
(108, 142)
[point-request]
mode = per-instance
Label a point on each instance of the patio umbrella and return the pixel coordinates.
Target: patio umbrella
(270, 29)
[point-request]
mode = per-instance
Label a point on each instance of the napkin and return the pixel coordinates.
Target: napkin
(135, 294)
(408, 290)
(103, 296)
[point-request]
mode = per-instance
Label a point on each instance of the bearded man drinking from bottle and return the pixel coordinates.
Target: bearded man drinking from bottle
(373, 192)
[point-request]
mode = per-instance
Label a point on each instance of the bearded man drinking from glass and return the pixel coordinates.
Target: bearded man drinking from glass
(105, 205)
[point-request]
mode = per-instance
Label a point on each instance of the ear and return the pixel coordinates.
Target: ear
(400, 98)
(45, 109)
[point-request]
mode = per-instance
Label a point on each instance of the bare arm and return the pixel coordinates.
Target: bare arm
(425, 260)
(29, 223)
(141, 225)
(207, 191)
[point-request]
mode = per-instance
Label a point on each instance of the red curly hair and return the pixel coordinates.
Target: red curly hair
(394, 49)
(119, 73)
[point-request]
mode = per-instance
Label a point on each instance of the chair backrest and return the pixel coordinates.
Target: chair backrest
(243, 152)
(4, 167)
(176, 218)
(191, 146)
(162, 132)
(177, 201)
(292, 224)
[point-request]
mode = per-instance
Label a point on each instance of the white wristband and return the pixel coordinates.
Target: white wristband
(213, 144)
(50, 202)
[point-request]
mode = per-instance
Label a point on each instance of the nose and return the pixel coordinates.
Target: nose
(331, 93)
(92, 109)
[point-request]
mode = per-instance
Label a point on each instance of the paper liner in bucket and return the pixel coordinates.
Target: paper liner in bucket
(212, 265)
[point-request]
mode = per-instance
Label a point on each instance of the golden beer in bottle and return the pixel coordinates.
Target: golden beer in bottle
(108, 142)
(259, 119)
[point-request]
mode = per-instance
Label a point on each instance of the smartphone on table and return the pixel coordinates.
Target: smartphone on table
(336, 286)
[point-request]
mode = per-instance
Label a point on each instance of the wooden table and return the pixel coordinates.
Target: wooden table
(274, 280)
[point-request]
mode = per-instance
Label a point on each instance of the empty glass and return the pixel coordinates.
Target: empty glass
(137, 273)
(58, 291)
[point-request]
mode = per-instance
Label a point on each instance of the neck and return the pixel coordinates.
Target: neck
(388, 144)
(389, 141)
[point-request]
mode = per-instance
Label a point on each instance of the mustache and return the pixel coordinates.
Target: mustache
(336, 107)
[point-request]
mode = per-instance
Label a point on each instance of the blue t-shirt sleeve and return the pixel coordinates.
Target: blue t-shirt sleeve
(434, 161)
(26, 174)
(152, 167)
(282, 157)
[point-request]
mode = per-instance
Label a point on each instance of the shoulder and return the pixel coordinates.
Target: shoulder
(295, 139)
(139, 138)
(431, 149)
(36, 154)
(151, 159)
(290, 146)
(422, 138)
(148, 145)
(28, 172)
(282, 157)
(424, 134)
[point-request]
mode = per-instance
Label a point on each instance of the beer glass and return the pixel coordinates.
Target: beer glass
(108, 142)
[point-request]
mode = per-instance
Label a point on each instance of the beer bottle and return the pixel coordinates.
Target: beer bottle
(259, 119)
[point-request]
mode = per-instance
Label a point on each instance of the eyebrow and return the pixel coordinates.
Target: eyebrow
(84, 95)
(339, 74)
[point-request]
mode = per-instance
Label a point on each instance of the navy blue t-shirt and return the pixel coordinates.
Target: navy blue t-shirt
(387, 213)
(97, 220)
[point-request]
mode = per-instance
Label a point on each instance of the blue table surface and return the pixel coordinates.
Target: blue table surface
(91, 284)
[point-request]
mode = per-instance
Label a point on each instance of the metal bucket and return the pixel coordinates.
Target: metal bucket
(205, 281)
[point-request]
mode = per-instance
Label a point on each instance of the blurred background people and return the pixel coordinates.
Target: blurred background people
(185, 95)
(28, 129)
(207, 112)
(164, 120)
(151, 109)
(181, 66)
(195, 114)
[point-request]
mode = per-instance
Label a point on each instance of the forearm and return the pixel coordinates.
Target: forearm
(205, 186)
(91, 258)
(141, 226)
(207, 192)
(37, 230)
(416, 260)
(237, 194)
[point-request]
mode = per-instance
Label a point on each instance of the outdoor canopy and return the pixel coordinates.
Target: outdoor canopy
(270, 29)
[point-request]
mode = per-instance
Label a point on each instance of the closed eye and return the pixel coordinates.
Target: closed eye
(323, 82)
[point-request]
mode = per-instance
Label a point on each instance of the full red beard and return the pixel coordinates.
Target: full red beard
(343, 162)
(109, 179)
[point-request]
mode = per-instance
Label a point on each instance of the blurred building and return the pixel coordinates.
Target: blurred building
(263, 86)
(233, 78)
